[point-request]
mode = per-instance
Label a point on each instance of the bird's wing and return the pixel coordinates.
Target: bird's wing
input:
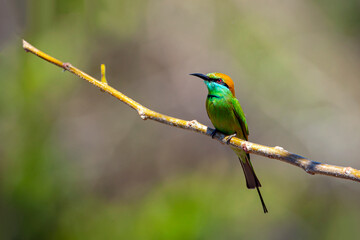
(240, 117)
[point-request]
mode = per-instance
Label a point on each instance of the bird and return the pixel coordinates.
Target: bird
(227, 116)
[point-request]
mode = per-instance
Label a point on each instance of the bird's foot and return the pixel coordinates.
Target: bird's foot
(228, 138)
(213, 133)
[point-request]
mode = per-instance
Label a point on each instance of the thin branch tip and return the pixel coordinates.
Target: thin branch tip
(103, 75)
(25, 45)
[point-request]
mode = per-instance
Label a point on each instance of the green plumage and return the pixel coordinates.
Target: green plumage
(227, 116)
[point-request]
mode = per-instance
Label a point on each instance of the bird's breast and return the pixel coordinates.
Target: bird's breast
(221, 114)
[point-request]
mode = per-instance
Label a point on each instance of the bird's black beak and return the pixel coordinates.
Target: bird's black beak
(202, 76)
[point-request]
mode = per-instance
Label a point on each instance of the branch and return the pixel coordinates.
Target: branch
(279, 153)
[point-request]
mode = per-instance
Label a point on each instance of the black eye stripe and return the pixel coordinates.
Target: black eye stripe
(221, 82)
(224, 84)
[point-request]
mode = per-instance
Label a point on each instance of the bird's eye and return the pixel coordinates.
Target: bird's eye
(219, 80)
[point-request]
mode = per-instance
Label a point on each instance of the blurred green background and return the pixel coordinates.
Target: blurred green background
(75, 163)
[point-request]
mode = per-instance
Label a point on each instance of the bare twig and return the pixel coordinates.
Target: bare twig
(279, 153)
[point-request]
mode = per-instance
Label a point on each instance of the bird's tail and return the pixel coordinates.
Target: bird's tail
(251, 179)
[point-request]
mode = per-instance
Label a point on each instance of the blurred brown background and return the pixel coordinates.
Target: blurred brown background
(75, 163)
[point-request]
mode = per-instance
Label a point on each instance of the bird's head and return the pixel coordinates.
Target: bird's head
(217, 80)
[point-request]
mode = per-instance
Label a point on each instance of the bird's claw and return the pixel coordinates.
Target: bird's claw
(228, 138)
(213, 133)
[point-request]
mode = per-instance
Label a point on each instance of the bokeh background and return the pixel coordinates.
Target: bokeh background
(75, 163)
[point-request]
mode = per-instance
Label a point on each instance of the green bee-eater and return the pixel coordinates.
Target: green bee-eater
(227, 116)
